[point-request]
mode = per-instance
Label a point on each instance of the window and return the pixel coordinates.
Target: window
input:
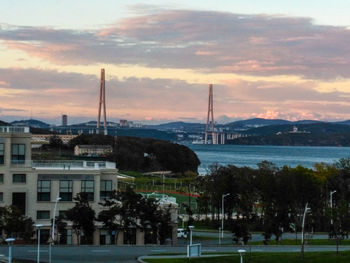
(87, 187)
(105, 189)
(18, 153)
(19, 178)
(1, 197)
(1, 178)
(43, 214)
(66, 190)
(44, 190)
(2, 153)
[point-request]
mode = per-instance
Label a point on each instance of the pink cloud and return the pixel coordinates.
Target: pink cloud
(200, 40)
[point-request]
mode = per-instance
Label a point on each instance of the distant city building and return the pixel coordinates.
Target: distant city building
(64, 120)
(92, 150)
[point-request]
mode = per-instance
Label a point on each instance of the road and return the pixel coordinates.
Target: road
(213, 237)
(128, 254)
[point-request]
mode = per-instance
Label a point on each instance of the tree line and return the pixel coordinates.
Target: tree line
(122, 211)
(272, 199)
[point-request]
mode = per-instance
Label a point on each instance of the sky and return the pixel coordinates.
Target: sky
(265, 58)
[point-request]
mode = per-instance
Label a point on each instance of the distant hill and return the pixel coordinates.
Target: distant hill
(256, 122)
(179, 125)
(31, 123)
(306, 122)
(313, 128)
(2, 123)
(347, 122)
(91, 124)
(296, 139)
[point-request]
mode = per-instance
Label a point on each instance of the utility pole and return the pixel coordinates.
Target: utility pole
(302, 231)
(223, 214)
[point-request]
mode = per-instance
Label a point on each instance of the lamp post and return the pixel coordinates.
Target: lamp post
(331, 202)
(190, 227)
(219, 235)
(38, 226)
(302, 230)
(241, 253)
(10, 242)
(222, 212)
(53, 227)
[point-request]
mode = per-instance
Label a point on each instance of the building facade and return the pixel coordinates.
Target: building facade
(64, 120)
(92, 150)
(34, 186)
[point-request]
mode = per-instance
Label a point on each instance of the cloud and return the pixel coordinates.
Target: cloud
(50, 93)
(201, 40)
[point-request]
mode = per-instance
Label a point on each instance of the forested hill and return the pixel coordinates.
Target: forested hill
(297, 139)
(144, 154)
(313, 128)
(310, 134)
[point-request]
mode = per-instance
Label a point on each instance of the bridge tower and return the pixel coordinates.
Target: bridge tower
(209, 129)
(102, 102)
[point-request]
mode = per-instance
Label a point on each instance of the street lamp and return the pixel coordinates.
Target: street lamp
(10, 242)
(38, 226)
(190, 227)
(331, 202)
(53, 226)
(302, 229)
(222, 212)
(241, 253)
(219, 235)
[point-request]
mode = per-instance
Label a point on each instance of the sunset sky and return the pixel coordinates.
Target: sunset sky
(265, 58)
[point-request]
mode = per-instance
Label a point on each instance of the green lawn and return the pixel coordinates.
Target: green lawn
(311, 257)
(298, 242)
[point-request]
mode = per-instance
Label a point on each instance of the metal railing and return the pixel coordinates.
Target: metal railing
(14, 129)
(73, 164)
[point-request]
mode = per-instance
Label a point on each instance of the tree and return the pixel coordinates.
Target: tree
(127, 209)
(82, 217)
(14, 223)
(55, 142)
(61, 228)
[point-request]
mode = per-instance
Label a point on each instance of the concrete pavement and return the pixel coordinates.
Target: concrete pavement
(129, 254)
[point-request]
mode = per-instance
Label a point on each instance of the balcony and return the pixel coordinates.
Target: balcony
(73, 165)
(14, 129)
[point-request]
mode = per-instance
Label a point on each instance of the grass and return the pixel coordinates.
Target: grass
(310, 257)
(298, 242)
(152, 183)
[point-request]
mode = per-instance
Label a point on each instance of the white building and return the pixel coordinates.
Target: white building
(34, 186)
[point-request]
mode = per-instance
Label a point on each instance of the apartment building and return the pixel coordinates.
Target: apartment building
(34, 186)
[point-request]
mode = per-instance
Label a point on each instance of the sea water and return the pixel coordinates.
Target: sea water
(246, 155)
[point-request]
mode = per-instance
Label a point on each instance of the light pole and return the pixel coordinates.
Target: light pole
(53, 227)
(219, 235)
(241, 253)
(10, 242)
(302, 230)
(190, 227)
(331, 202)
(222, 213)
(38, 226)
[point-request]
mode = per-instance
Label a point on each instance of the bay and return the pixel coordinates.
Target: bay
(247, 155)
